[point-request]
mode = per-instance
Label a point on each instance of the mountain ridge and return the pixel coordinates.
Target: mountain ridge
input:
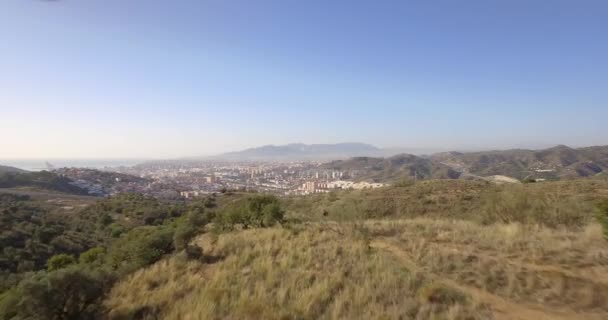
(552, 163)
(301, 151)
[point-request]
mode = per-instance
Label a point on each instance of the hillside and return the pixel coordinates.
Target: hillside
(431, 250)
(550, 164)
(102, 183)
(439, 249)
(41, 180)
(299, 151)
(62, 252)
(557, 162)
(7, 169)
(404, 166)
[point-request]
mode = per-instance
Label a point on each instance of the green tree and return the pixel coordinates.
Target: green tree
(70, 293)
(264, 210)
(60, 261)
(256, 211)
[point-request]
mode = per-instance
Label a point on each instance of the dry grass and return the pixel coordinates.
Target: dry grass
(408, 269)
(281, 274)
(553, 204)
(556, 271)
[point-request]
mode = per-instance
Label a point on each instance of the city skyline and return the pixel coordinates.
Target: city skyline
(159, 79)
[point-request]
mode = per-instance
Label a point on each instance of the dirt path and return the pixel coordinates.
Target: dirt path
(503, 308)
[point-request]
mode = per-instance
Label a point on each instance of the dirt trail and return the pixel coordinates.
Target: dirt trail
(503, 308)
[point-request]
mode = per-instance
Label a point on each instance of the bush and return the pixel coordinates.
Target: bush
(116, 230)
(60, 261)
(70, 293)
(92, 256)
(183, 235)
(189, 226)
(256, 211)
(8, 304)
(528, 180)
(140, 247)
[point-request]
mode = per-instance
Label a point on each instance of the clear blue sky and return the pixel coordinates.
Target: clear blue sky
(118, 78)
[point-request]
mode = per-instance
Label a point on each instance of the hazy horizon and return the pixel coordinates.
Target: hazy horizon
(153, 79)
(395, 149)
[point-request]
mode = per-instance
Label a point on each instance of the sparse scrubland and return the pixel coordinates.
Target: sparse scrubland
(431, 250)
(427, 250)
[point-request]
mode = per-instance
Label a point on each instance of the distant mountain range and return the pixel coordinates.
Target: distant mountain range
(300, 151)
(557, 162)
(373, 163)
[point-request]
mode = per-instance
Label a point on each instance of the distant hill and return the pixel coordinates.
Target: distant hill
(5, 169)
(299, 151)
(394, 168)
(42, 180)
(553, 163)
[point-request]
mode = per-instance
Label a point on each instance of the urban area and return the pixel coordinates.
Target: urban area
(191, 179)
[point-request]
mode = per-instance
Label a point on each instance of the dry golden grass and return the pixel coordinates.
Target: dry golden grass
(398, 269)
(282, 274)
(563, 273)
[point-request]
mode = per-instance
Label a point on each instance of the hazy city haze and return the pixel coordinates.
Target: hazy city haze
(160, 79)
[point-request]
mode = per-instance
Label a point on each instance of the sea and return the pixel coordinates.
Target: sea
(46, 164)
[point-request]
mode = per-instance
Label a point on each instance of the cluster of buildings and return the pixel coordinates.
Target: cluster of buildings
(106, 183)
(311, 187)
(199, 178)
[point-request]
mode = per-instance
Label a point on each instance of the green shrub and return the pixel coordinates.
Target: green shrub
(60, 261)
(256, 211)
(8, 304)
(116, 230)
(140, 247)
(70, 293)
(183, 235)
(92, 256)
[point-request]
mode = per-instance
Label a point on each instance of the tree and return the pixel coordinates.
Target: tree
(70, 293)
(257, 211)
(60, 261)
(264, 210)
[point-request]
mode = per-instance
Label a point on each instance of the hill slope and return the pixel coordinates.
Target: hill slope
(339, 265)
(557, 162)
(7, 169)
(393, 168)
(43, 180)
